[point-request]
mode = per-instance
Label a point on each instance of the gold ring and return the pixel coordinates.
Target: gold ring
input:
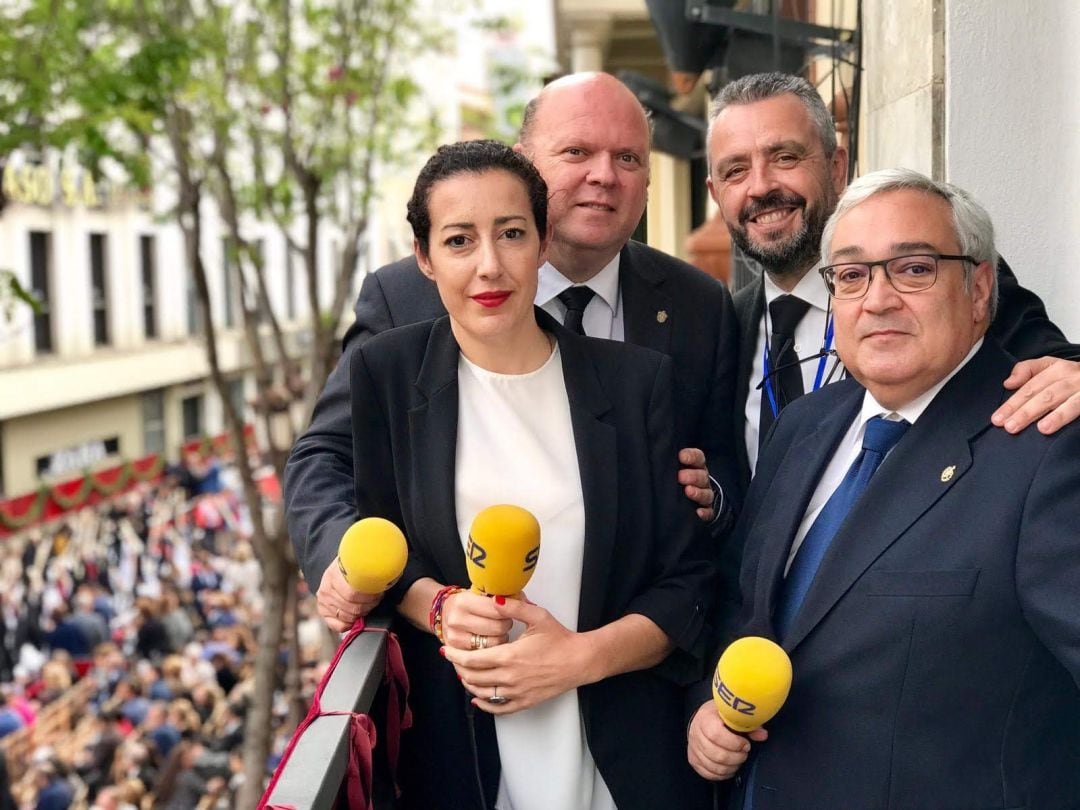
(475, 642)
(338, 614)
(483, 642)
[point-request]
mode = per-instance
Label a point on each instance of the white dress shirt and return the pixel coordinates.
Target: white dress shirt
(851, 445)
(809, 340)
(516, 445)
(603, 317)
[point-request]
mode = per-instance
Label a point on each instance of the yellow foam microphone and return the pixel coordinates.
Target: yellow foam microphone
(503, 549)
(752, 681)
(372, 555)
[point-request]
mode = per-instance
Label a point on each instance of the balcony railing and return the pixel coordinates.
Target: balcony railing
(312, 777)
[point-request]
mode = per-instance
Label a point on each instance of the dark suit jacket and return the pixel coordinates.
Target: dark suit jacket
(1021, 325)
(645, 552)
(668, 306)
(936, 656)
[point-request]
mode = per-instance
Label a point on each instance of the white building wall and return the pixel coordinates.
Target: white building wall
(1013, 136)
(124, 283)
(897, 129)
(96, 390)
(172, 284)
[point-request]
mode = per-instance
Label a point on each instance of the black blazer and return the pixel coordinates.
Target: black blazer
(936, 657)
(645, 552)
(668, 306)
(1021, 325)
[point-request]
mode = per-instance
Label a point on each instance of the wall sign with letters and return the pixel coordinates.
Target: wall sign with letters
(70, 186)
(78, 458)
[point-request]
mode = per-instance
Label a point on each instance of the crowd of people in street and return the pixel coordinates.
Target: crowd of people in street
(138, 616)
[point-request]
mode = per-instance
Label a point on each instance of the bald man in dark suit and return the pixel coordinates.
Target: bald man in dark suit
(589, 137)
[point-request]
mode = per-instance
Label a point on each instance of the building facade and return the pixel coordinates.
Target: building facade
(979, 94)
(113, 366)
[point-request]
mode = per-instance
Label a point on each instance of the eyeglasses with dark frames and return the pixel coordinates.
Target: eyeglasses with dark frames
(907, 274)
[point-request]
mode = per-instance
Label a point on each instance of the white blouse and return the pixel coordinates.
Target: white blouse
(516, 445)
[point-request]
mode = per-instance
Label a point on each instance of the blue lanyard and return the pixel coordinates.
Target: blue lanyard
(768, 381)
(768, 386)
(824, 348)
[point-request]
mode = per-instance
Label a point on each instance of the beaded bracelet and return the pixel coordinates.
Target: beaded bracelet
(434, 618)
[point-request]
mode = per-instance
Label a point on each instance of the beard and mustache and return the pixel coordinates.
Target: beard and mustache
(784, 255)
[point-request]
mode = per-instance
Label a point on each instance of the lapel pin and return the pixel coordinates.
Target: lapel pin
(661, 316)
(947, 473)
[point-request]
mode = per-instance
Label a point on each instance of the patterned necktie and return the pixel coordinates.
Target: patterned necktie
(785, 313)
(575, 299)
(879, 439)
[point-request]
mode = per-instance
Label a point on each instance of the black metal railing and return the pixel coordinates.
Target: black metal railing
(312, 777)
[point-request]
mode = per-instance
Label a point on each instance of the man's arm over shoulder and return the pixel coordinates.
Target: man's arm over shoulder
(1021, 324)
(319, 497)
(319, 500)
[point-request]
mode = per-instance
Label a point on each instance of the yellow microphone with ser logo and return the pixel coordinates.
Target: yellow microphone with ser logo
(752, 681)
(503, 549)
(372, 555)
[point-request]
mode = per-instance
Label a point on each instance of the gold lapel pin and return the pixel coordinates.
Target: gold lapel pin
(661, 316)
(947, 473)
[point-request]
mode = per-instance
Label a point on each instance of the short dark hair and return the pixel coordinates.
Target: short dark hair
(762, 86)
(474, 157)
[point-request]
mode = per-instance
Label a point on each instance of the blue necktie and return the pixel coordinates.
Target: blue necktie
(879, 439)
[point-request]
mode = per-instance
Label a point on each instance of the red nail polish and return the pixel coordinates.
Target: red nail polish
(500, 600)
(442, 651)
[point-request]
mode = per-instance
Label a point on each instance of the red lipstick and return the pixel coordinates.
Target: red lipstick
(491, 299)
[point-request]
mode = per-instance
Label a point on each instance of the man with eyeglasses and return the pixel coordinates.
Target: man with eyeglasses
(776, 171)
(918, 565)
(912, 272)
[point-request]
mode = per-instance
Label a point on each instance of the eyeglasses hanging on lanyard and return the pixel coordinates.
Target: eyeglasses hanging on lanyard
(822, 357)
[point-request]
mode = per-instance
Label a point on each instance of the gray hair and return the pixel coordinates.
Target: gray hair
(971, 222)
(762, 86)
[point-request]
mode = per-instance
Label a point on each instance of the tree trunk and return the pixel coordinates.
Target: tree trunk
(279, 578)
(297, 703)
(274, 552)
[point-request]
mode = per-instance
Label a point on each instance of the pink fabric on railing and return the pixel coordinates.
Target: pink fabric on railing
(359, 771)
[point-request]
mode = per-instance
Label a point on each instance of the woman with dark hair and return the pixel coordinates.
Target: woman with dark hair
(571, 698)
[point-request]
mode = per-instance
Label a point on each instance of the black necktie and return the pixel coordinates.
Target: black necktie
(785, 312)
(575, 299)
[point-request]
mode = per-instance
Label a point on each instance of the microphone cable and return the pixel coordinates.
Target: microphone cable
(470, 716)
